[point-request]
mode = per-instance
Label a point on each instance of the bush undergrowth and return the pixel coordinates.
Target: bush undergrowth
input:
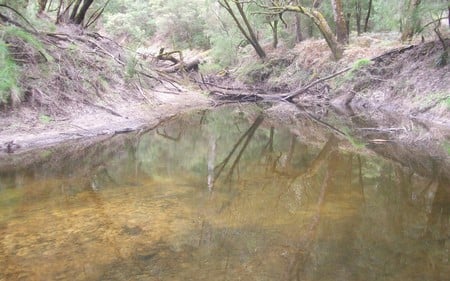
(8, 74)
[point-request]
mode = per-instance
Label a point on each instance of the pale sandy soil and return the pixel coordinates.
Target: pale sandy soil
(20, 133)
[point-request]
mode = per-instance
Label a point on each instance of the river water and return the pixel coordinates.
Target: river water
(223, 195)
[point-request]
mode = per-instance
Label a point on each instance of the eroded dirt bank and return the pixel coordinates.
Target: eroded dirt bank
(77, 85)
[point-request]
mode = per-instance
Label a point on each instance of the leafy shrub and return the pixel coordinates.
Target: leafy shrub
(8, 74)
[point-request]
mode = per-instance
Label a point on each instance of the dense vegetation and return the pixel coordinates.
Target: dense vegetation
(224, 27)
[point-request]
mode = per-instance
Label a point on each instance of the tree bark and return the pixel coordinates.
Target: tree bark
(41, 4)
(274, 27)
(412, 20)
(298, 25)
(321, 23)
(82, 13)
(298, 28)
(339, 19)
(75, 10)
(366, 22)
(358, 16)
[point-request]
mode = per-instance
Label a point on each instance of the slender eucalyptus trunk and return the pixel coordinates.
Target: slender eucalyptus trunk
(358, 17)
(82, 13)
(274, 27)
(339, 19)
(245, 28)
(366, 22)
(298, 28)
(75, 8)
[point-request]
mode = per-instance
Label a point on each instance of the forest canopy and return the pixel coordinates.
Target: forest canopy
(225, 26)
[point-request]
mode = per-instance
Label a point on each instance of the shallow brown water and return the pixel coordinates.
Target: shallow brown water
(223, 195)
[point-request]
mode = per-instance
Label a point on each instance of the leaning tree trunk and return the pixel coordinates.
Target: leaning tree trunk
(412, 20)
(245, 29)
(339, 19)
(75, 8)
(319, 20)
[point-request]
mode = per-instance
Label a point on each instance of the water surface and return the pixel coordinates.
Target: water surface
(224, 195)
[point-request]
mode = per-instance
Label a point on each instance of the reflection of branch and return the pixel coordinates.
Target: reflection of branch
(166, 136)
(255, 126)
(248, 133)
(440, 210)
(312, 169)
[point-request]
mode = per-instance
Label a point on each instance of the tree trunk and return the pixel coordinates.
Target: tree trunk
(298, 29)
(411, 20)
(254, 39)
(316, 3)
(321, 23)
(41, 4)
(366, 22)
(248, 32)
(274, 27)
(82, 13)
(75, 10)
(358, 17)
(339, 19)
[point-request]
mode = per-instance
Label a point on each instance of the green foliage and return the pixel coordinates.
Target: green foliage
(184, 24)
(447, 147)
(130, 19)
(357, 66)
(224, 49)
(45, 118)
(131, 67)
(8, 74)
(28, 38)
(447, 102)
(361, 63)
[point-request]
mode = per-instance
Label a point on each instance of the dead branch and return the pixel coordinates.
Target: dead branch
(289, 96)
(167, 56)
(181, 66)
